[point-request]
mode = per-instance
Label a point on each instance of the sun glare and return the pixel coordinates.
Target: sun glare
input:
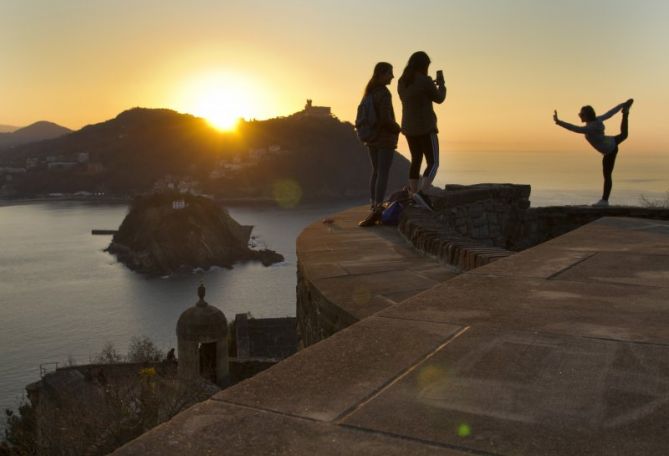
(222, 107)
(222, 99)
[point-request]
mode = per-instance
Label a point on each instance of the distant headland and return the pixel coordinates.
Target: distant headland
(307, 156)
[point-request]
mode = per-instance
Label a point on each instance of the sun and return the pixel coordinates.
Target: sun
(222, 98)
(221, 106)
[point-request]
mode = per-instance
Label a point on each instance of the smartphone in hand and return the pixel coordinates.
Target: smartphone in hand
(440, 77)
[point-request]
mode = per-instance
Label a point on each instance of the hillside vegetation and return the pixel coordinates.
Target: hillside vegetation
(318, 158)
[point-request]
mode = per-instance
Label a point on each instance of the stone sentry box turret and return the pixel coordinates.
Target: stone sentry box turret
(202, 332)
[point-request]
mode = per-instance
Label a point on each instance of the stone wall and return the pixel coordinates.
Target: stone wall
(241, 369)
(486, 213)
(470, 227)
(443, 243)
(544, 223)
(474, 225)
(317, 317)
(268, 338)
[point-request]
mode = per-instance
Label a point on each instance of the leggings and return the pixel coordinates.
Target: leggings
(381, 160)
(428, 146)
(609, 160)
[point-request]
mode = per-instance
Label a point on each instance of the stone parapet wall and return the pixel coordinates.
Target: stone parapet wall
(241, 369)
(317, 317)
(471, 226)
(346, 273)
(489, 214)
(430, 237)
(544, 223)
(459, 195)
(474, 225)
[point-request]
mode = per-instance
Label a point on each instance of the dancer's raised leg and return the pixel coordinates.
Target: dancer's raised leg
(624, 123)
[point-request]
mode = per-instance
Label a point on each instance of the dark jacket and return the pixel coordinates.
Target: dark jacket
(418, 117)
(387, 129)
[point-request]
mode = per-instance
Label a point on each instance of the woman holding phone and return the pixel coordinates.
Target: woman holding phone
(417, 92)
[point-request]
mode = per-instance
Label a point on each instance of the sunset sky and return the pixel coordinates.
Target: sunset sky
(507, 63)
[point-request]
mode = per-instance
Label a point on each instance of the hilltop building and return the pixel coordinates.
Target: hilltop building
(316, 111)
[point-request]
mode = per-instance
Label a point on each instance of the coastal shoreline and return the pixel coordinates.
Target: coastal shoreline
(20, 201)
(228, 202)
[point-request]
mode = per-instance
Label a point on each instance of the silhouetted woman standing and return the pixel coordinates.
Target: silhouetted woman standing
(384, 142)
(418, 91)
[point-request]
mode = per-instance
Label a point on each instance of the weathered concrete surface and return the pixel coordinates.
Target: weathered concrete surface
(577, 308)
(348, 367)
(552, 351)
(512, 393)
(362, 271)
(216, 428)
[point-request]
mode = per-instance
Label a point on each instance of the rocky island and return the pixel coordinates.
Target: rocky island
(169, 232)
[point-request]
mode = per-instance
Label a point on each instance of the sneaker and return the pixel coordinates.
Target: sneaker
(422, 200)
(372, 218)
(601, 203)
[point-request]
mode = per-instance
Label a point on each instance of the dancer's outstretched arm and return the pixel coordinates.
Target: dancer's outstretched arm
(568, 126)
(612, 112)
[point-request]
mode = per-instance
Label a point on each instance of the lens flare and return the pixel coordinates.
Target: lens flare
(428, 375)
(361, 295)
(464, 430)
(287, 193)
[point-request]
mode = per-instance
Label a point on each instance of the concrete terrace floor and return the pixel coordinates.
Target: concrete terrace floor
(562, 349)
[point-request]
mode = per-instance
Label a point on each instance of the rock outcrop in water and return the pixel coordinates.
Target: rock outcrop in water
(169, 232)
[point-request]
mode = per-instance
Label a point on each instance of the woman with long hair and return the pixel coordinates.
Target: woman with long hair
(383, 143)
(418, 92)
(605, 145)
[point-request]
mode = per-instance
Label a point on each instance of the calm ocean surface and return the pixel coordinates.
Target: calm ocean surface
(62, 297)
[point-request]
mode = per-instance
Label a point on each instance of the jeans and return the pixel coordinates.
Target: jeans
(381, 160)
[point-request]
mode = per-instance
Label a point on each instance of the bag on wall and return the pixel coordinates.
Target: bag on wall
(391, 215)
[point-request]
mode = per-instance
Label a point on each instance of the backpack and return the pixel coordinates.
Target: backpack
(391, 215)
(365, 121)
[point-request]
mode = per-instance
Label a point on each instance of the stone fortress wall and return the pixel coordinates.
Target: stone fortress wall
(558, 349)
(317, 316)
